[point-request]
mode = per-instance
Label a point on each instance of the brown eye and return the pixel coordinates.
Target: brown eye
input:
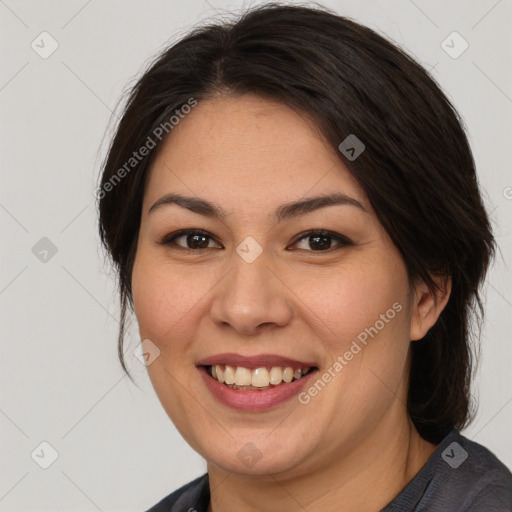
(314, 241)
(191, 239)
(321, 241)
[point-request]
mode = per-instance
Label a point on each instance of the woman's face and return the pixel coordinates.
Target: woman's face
(256, 291)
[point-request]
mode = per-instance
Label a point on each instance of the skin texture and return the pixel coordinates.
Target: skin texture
(353, 443)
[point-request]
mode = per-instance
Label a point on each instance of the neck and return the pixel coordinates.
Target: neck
(388, 458)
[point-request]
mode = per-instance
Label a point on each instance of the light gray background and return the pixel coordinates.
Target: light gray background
(60, 378)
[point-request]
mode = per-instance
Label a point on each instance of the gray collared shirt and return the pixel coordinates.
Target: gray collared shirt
(460, 476)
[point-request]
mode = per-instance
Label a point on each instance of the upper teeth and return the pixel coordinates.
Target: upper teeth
(259, 377)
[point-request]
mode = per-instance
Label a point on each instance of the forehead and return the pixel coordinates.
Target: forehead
(237, 150)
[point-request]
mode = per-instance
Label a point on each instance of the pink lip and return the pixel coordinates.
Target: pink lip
(251, 362)
(254, 400)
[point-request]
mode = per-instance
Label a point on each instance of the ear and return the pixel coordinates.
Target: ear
(426, 309)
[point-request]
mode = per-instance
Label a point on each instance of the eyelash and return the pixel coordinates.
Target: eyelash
(170, 239)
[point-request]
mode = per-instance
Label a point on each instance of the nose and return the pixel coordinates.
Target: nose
(252, 297)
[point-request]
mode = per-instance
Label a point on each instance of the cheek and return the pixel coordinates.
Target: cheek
(360, 312)
(355, 299)
(167, 305)
(165, 301)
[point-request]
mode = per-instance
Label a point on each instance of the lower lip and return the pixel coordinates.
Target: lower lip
(253, 400)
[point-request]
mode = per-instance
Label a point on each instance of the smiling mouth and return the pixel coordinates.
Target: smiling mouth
(257, 379)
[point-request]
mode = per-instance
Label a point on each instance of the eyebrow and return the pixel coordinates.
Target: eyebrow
(283, 212)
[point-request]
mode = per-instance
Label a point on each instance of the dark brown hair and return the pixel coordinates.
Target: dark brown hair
(417, 169)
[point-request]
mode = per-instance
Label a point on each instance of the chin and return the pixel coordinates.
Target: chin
(258, 458)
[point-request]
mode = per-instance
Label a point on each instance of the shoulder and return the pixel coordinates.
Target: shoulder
(461, 475)
(484, 479)
(192, 497)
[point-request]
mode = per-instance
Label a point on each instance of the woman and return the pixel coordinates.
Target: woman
(293, 210)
